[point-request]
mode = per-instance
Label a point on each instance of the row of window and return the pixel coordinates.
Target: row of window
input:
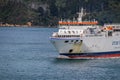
(70, 32)
(68, 35)
(116, 30)
(73, 41)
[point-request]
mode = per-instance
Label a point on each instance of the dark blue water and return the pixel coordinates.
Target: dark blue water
(27, 54)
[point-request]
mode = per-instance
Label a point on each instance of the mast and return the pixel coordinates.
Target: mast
(80, 15)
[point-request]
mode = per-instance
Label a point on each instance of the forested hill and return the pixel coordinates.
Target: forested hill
(48, 12)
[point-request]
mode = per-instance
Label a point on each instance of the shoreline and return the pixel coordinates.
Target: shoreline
(32, 26)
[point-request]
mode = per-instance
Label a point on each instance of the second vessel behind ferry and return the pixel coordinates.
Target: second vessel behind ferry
(85, 39)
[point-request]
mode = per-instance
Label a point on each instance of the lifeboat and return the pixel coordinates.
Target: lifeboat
(108, 28)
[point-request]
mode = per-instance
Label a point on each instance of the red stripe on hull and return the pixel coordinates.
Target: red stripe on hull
(96, 57)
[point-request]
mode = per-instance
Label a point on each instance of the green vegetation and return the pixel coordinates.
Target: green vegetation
(48, 12)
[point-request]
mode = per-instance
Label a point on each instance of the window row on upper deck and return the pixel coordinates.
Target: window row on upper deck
(70, 31)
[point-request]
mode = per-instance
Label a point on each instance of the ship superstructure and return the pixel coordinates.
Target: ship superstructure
(87, 39)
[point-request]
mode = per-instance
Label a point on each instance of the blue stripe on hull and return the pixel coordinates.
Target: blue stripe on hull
(100, 55)
(90, 54)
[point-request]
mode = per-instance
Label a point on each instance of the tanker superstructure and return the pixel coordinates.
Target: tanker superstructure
(86, 39)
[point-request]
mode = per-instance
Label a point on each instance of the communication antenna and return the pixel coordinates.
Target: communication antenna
(80, 15)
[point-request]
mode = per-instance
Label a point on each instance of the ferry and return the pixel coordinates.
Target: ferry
(78, 39)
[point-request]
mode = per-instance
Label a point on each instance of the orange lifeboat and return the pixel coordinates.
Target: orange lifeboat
(108, 28)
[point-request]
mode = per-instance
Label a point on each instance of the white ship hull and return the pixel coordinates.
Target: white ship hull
(88, 47)
(86, 39)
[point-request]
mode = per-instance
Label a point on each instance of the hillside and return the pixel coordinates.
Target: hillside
(48, 12)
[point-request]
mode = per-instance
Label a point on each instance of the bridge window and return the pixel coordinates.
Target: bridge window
(69, 32)
(109, 33)
(73, 31)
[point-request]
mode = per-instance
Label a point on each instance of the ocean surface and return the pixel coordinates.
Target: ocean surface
(27, 54)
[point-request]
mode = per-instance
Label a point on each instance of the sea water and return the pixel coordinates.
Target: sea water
(27, 54)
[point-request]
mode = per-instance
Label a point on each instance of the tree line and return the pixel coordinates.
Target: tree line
(49, 12)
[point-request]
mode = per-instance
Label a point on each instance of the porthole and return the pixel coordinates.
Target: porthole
(66, 41)
(76, 40)
(71, 50)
